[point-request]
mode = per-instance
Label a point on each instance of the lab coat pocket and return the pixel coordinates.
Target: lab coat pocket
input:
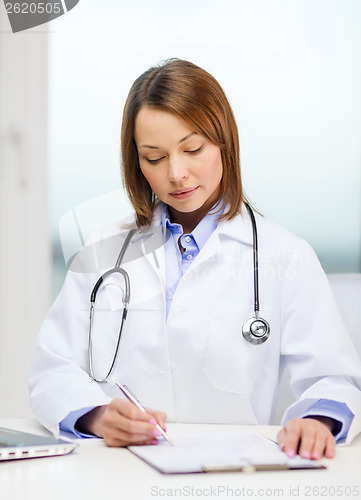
(232, 363)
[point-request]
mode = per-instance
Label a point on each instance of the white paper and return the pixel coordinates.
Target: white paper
(199, 452)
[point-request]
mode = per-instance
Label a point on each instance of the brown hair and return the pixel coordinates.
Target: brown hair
(194, 95)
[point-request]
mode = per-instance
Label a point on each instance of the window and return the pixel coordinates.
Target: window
(292, 72)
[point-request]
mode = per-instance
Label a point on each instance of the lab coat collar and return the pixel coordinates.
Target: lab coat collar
(154, 229)
(239, 228)
(152, 241)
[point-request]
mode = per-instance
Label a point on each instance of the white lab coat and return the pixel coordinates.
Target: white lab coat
(196, 366)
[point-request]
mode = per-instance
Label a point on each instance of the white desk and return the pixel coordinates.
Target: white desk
(94, 471)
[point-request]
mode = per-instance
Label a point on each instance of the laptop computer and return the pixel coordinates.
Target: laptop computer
(15, 445)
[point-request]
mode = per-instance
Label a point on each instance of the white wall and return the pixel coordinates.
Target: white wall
(24, 247)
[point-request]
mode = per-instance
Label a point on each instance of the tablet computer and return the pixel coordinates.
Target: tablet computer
(16, 445)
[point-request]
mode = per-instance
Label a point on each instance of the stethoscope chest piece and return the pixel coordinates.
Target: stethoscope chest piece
(256, 330)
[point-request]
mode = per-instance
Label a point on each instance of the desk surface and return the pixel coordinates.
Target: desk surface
(94, 471)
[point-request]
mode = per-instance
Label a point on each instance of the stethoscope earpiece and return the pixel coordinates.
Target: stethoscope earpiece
(256, 330)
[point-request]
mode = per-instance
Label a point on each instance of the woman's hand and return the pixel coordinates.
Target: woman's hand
(309, 437)
(121, 423)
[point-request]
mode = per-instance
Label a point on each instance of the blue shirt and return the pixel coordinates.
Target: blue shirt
(177, 262)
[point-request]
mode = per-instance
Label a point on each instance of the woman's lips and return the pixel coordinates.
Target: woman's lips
(183, 194)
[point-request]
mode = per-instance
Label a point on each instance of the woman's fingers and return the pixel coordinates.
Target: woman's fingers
(158, 417)
(123, 424)
(308, 437)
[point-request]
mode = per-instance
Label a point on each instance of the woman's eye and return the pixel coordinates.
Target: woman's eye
(155, 161)
(193, 151)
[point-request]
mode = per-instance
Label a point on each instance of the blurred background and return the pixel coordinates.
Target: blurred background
(292, 72)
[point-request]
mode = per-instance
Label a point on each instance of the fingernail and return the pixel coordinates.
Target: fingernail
(156, 433)
(282, 446)
(291, 453)
(306, 454)
(316, 456)
(155, 441)
(152, 421)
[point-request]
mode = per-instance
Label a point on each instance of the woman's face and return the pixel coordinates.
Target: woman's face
(182, 167)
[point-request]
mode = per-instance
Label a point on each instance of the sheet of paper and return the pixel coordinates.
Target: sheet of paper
(200, 452)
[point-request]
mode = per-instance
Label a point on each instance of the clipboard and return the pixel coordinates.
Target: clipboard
(220, 452)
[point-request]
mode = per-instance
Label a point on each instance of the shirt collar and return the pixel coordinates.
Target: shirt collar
(200, 233)
(238, 228)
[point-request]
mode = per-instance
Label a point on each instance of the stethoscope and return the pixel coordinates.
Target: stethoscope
(256, 330)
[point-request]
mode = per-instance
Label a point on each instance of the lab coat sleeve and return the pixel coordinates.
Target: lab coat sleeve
(320, 357)
(58, 379)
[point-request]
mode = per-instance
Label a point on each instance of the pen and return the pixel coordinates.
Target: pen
(125, 390)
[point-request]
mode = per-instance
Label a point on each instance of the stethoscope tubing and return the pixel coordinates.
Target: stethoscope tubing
(255, 260)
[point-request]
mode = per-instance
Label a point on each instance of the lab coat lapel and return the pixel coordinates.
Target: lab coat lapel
(239, 228)
(151, 242)
(153, 249)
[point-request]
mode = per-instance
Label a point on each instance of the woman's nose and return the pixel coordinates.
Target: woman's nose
(177, 170)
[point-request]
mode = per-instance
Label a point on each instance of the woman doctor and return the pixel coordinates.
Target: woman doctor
(191, 276)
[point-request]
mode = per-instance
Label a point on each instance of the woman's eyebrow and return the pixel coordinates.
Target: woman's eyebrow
(186, 137)
(156, 147)
(147, 146)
